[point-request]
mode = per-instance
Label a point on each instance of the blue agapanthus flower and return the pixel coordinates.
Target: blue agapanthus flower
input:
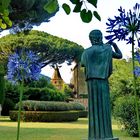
(137, 56)
(137, 71)
(23, 65)
(122, 26)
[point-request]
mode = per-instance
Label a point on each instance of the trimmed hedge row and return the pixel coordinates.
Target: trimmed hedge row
(30, 105)
(45, 116)
(83, 114)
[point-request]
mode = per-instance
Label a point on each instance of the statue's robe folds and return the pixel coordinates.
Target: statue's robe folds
(97, 61)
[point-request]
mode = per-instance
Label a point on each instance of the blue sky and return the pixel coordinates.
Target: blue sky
(72, 28)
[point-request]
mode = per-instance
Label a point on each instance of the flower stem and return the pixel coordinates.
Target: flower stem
(19, 110)
(134, 84)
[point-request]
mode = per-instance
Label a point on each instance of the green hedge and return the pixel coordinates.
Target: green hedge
(83, 114)
(125, 112)
(44, 94)
(30, 105)
(45, 116)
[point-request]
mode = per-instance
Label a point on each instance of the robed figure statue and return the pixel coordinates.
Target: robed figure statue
(97, 61)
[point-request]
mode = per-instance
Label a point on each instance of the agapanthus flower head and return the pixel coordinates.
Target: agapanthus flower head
(23, 65)
(137, 56)
(122, 26)
(137, 71)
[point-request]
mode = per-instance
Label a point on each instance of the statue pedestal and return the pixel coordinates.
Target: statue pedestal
(102, 139)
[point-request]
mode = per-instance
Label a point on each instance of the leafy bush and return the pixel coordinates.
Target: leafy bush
(7, 105)
(83, 114)
(44, 116)
(49, 106)
(124, 111)
(68, 91)
(11, 91)
(44, 94)
(2, 85)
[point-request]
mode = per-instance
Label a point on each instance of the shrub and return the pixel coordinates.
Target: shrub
(49, 106)
(51, 95)
(68, 91)
(8, 105)
(44, 116)
(44, 94)
(11, 91)
(124, 111)
(2, 85)
(83, 114)
(32, 93)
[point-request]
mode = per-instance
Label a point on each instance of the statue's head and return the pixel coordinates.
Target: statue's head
(96, 37)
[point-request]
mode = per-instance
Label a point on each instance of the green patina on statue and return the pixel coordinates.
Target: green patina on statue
(97, 61)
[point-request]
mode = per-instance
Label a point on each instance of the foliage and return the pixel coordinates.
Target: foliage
(44, 94)
(23, 14)
(12, 91)
(51, 6)
(40, 116)
(5, 22)
(68, 91)
(124, 111)
(30, 105)
(51, 49)
(126, 27)
(7, 105)
(83, 114)
(42, 90)
(26, 13)
(35, 90)
(121, 81)
(81, 6)
(2, 85)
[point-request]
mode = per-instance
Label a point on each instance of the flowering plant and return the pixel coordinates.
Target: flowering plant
(22, 66)
(126, 27)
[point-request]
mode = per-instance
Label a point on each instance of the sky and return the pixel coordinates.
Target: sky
(72, 28)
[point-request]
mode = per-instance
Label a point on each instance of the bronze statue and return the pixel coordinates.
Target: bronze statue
(97, 61)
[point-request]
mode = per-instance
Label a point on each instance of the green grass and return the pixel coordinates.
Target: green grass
(52, 131)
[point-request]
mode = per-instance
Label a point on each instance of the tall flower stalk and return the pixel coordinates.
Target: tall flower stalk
(126, 27)
(22, 66)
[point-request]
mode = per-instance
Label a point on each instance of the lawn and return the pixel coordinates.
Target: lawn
(51, 131)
